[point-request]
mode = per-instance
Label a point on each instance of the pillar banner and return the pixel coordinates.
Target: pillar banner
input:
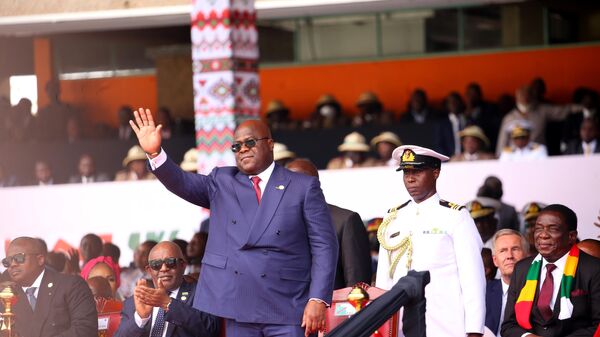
(225, 71)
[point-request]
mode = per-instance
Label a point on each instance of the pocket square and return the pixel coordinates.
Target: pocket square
(578, 292)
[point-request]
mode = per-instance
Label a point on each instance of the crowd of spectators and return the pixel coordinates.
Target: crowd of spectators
(464, 127)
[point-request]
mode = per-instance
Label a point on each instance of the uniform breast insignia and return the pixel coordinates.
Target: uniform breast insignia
(404, 247)
(451, 205)
(435, 230)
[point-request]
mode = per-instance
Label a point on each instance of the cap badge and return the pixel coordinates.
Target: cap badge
(408, 156)
(475, 206)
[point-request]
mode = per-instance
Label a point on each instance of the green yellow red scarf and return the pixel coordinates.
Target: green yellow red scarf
(527, 294)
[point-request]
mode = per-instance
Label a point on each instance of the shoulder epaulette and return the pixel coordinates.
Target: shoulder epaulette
(451, 205)
(398, 207)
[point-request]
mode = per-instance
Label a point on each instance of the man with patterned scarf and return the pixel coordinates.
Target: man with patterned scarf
(557, 292)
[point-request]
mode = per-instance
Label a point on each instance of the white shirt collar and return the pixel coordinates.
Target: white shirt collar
(174, 293)
(431, 201)
(560, 263)
(592, 145)
(37, 283)
(504, 287)
(264, 175)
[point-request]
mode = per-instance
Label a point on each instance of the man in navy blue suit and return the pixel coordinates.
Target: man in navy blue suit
(165, 309)
(508, 248)
(271, 253)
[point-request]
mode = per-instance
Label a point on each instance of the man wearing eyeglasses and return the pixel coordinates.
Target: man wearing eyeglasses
(271, 253)
(49, 303)
(165, 310)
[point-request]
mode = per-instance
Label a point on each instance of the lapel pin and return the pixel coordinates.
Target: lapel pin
(280, 187)
(50, 285)
(183, 298)
(184, 293)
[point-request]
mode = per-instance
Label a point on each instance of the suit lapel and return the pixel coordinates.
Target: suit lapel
(245, 195)
(44, 299)
(185, 295)
(23, 312)
(271, 197)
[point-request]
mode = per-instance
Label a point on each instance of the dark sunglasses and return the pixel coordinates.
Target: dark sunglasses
(170, 262)
(250, 143)
(19, 258)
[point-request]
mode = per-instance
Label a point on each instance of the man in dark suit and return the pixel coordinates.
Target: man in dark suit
(87, 172)
(354, 257)
(167, 306)
(49, 303)
(508, 248)
(542, 309)
(270, 258)
(588, 143)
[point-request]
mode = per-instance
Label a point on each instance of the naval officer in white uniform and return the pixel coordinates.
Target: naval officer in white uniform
(428, 233)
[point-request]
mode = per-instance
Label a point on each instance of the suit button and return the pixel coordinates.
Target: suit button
(278, 232)
(236, 272)
(263, 275)
(233, 222)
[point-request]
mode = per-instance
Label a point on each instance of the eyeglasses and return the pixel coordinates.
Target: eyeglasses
(250, 143)
(18, 258)
(170, 262)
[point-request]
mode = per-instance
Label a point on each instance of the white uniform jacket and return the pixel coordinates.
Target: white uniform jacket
(445, 242)
(531, 152)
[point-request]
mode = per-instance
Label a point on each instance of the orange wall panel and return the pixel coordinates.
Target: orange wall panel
(564, 69)
(100, 99)
(42, 59)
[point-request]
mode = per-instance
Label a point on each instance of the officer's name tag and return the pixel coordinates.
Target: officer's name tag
(344, 309)
(435, 230)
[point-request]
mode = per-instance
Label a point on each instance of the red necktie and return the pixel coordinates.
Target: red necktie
(546, 293)
(255, 181)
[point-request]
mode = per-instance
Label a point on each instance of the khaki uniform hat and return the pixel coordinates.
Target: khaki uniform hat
(475, 131)
(386, 136)
(280, 151)
(190, 160)
(135, 153)
(367, 98)
(354, 142)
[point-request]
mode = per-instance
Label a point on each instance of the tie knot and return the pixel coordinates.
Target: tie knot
(30, 291)
(550, 267)
(255, 180)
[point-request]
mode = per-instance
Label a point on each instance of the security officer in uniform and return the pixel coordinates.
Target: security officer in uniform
(529, 215)
(522, 148)
(428, 233)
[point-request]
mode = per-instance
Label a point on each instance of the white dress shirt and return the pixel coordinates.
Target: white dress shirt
(264, 178)
(37, 283)
(504, 297)
(589, 148)
(557, 274)
(141, 322)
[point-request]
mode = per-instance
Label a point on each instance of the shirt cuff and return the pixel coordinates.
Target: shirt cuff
(319, 300)
(141, 322)
(158, 160)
